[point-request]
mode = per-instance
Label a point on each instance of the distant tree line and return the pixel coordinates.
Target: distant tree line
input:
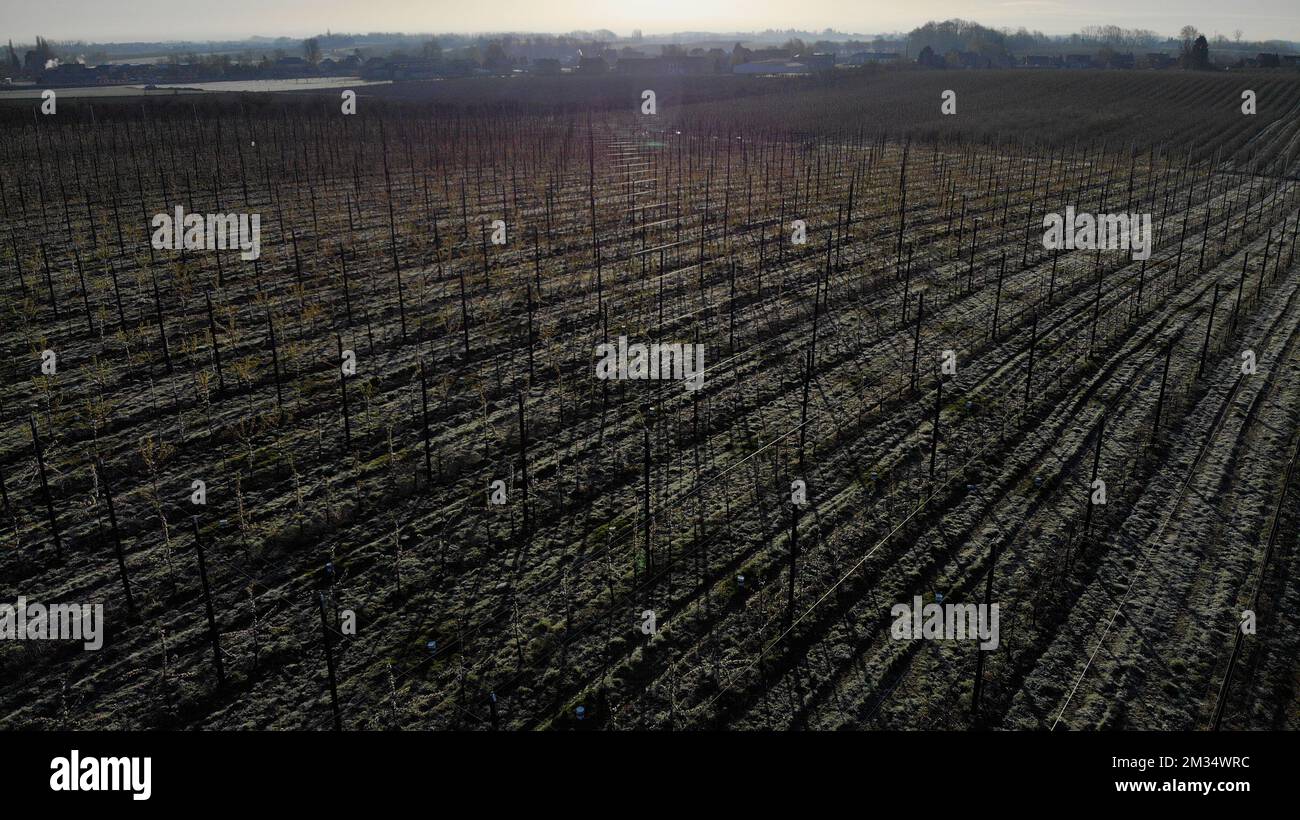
(939, 44)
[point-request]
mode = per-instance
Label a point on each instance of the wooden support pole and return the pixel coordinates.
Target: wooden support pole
(1142, 279)
(424, 426)
(1029, 374)
(4, 493)
(997, 299)
(978, 683)
(45, 489)
(934, 435)
(645, 430)
(347, 291)
(794, 559)
(1096, 465)
(162, 328)
(343, 390)
(1160, 399)
(213, 635)
(523, 464)
(117, 536)
(1241, 283)
(329, 661)
(1209, 327)
(275, 362)
(916, 341)
(216, 349)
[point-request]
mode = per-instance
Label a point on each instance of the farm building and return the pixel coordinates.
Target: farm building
(767, 67)
(1040, 61)
(867, 57)
(668, 66)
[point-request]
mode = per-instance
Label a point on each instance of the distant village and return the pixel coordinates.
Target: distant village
(952, 45)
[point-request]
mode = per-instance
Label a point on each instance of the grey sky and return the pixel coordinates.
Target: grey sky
(120, 20)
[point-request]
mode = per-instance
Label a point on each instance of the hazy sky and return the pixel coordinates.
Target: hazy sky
(108, 20)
